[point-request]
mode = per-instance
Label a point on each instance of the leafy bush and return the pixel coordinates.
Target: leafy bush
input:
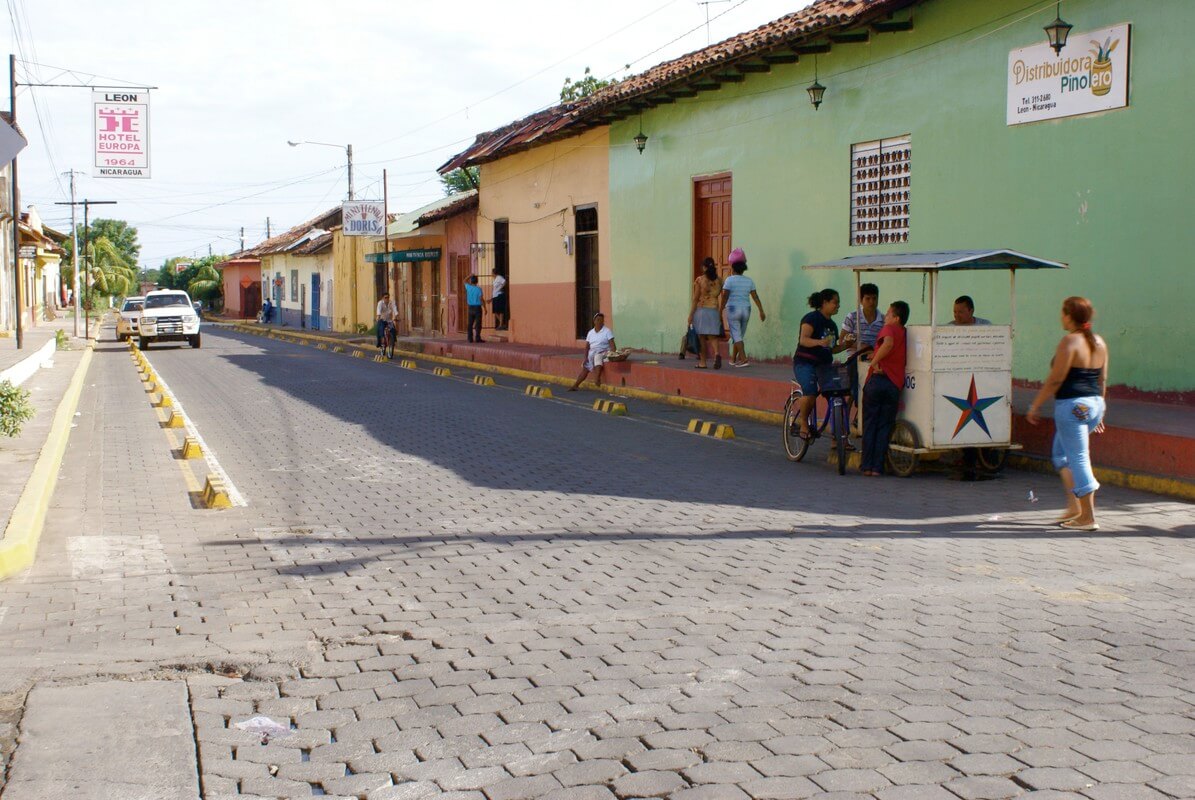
(61, 342)
(15, 409)
(362, 328)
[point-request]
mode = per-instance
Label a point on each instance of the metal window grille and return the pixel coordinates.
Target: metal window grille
(484, 256)
(294, 285)
(880, 175)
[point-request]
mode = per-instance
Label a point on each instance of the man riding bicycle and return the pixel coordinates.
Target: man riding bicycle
(386, 313)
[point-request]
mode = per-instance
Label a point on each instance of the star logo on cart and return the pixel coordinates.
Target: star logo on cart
(972, 407)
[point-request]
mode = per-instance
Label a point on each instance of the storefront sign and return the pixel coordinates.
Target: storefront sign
(27, 251)
(364, 218)
(121, 134)
(398, 256)
(1091, 74)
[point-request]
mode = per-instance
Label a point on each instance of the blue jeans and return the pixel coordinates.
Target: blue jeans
(738, 317)
(1074, 420)
(881, 402)
(806, 374)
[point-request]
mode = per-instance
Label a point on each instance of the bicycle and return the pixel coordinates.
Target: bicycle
(834, 384)
(388, 338)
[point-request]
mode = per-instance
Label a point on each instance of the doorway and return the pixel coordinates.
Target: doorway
(461, 267)
(315, 301)
(712, 222)
(251, 300)
(589, 296)
(418, 300)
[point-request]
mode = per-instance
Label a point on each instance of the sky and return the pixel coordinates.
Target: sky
(407, 84)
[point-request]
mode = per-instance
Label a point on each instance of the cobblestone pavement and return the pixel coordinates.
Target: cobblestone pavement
(457, 591)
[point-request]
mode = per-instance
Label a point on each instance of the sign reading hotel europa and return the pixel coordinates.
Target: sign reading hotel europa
(121, 134)
(1091, 74)
(364, 218)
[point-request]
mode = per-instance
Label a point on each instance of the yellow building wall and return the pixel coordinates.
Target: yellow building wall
(537, 191)
(352, 281)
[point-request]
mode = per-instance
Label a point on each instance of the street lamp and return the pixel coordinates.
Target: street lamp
(816, 90)
(1057, 31)
(641, 138)
(348, 150)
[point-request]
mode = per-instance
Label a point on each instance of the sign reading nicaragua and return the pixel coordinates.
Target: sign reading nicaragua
(364, 218)
(1091, 74)
(121, 121)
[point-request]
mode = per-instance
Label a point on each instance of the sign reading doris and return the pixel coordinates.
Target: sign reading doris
(1091, 74)
(364, 218)
(121, 134)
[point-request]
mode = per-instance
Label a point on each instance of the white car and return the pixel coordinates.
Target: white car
(128, 319)
(168, 316)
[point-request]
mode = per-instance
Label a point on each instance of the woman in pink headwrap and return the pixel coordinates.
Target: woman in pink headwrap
(737, 292)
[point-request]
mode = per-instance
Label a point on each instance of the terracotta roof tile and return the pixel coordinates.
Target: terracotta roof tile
(466, 202)
(285, 240)
(800, 27)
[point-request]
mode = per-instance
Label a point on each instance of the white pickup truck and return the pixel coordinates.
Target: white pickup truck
(168, 316)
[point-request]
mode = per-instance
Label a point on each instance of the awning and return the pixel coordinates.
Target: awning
(940, 261)
(400, 256)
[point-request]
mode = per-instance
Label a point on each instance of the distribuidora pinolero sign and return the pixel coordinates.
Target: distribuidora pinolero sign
(364, 218)
(1091, 74)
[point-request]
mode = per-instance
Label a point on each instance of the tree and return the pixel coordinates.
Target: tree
(110, 274)
(199, 278)
(207, 284)
(119, 233)
(589, 83)
(461, 180)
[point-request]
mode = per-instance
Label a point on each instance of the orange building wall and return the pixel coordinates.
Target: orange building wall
(537, 191)
(233, 275)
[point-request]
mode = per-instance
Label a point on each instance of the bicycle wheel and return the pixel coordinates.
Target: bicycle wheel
(794, 446)
(902, 463)
(993, 459)
(840, 433)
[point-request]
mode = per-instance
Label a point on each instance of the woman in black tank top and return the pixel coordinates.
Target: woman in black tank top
(1077, 384)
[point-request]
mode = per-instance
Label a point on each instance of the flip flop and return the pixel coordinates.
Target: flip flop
(1074, 525)
(701, 366)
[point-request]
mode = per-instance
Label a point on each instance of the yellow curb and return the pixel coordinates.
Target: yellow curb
(443, 372)
(610, 407)
(191, 448)
(538, 391)
(175, 421)
(215, 493)
(483, 380)
(19, 545)
(408, 364)
(1155, 484)
(162, 401)
(714, 429)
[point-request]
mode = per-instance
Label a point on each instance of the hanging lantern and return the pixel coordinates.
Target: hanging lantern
(641, 138)
(1057, 31)
(815, 90)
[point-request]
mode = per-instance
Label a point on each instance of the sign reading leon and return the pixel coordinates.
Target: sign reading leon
(364, 218)
(121, 134)
(1091, 74)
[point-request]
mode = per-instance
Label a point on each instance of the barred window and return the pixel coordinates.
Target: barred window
(880, 173)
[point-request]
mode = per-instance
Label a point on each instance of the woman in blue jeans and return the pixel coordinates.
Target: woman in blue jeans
(1078, 383)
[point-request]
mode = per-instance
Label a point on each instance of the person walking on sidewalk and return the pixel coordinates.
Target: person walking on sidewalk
(598, 344)
(1078, 382)
(881, 393)
(475, 300)
(704, 316)
(386, 312)
(737, 292)
(500, 302)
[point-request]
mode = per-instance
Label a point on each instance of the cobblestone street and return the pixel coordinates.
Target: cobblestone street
(458, 591)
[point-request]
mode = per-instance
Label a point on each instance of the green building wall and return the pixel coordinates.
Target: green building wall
(1105, 193)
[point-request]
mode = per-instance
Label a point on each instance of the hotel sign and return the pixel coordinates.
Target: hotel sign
(1091, 74)
(121, 121)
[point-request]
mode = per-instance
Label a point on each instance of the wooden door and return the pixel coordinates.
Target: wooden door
(712, 222)
(434, 309)
(418, 300)
(461, 267)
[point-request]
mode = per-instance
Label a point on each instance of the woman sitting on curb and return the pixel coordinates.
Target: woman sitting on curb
(598, 344)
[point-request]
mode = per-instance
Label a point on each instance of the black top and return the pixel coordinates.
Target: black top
(1080, 382)
(822, 326)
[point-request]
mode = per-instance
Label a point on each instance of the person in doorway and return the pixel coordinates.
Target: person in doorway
(964, 312)
(386, 312)
(704, 317)
(475, 301)
(1078, 383)
(598, 344)
(881, 392)
(817, 343)
(737, 292)
(498, 304)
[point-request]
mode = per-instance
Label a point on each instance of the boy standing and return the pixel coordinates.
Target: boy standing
(475, 302)
(598, 344)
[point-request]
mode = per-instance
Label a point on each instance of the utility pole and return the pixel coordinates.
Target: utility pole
(209, 249)
(349, 149)
(75, 254)
(87, 204)
(267, 227)
(17, 289)
(242, 237)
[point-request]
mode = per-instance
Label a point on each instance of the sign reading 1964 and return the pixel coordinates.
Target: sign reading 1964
(1090, 74)
(121, 126)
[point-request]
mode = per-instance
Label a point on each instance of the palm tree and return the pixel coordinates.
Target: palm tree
(207, 283)
(111, 275)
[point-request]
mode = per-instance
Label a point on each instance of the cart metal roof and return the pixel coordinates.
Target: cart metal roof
(941, 261)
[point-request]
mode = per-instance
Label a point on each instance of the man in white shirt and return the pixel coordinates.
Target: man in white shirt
(964, 312)
(386, 313)
(865, 322)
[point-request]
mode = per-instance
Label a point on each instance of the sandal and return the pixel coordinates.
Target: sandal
(701, 366)
(1075, 525)
(718, 361)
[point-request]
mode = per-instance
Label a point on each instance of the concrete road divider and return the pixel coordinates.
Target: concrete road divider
(443, 372)
(610, 407)
(215, 493)
(715, 429)
(191, 448)
(483, 380)
(337, 349)
(358, 354)
(407, 363)
(175, 420)
(321, 346)
(538, 391)
(381, 359)
(162, 401)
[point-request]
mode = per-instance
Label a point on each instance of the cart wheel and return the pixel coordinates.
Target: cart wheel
(794, 446)
(900, 463)
(993, 459)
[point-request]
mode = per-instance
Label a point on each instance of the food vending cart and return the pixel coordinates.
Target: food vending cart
(958, 378)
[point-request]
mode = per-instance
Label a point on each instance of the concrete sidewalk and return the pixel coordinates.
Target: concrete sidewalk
(1147, 445)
